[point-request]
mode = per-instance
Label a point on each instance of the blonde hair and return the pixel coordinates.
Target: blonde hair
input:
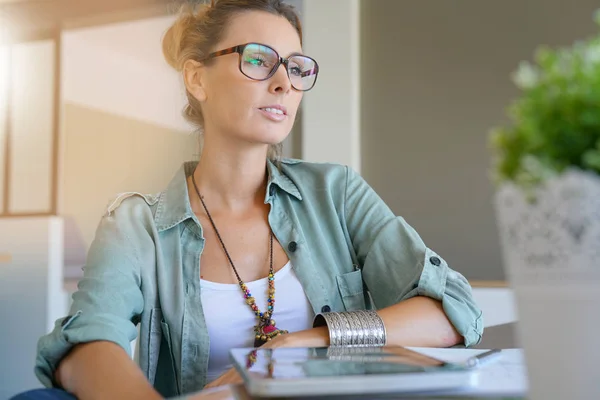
(200, 26)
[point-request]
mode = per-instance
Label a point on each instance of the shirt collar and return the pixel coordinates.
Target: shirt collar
(278, 178)
(174, 203)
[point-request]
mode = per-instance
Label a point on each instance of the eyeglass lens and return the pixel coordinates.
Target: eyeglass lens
(258, 61)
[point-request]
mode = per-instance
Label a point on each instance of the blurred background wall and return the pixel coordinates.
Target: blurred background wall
(434, 80)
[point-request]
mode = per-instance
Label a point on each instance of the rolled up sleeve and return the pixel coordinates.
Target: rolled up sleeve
(397, 265)
(107, 299)
(440, 282)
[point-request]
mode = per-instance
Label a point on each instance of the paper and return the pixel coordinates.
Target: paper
(506, 376)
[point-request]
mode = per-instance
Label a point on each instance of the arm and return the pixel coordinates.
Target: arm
(88, 352)
(418, 321)
(103, 370)
(422, 301)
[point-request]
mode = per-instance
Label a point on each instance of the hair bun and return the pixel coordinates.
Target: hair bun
(176, 38)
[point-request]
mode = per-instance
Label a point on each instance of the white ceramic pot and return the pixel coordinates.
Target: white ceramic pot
(551, 250)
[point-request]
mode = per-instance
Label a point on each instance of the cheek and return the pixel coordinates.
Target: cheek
(297, 98)
(229, 93)
(233, 102)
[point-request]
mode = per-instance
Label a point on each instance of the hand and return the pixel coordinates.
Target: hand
(230, 377)
(315, 337)
(226, 392)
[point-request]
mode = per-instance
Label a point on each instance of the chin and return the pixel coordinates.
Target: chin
(271, 136)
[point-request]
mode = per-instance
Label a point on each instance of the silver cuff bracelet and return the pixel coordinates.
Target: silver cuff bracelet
(355, 353)
(353, 328)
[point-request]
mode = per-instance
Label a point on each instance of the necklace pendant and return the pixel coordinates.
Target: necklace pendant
(259, 342)
(265, 331)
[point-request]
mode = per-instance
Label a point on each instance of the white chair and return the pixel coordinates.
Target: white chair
(497, 304)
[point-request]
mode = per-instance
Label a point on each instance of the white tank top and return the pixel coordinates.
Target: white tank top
(230, 321)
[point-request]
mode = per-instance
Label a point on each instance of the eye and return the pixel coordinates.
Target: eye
(257, 60)
(296, 71)
(297, 66)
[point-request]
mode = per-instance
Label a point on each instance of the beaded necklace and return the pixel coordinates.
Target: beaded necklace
(265, 328)
(252, 357)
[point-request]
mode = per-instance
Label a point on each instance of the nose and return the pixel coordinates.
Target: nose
(280, 82)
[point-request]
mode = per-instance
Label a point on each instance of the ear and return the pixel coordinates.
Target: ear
(193, 77)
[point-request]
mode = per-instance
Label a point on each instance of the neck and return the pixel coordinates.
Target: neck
(230, 180)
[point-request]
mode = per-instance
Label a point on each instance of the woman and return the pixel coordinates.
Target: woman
(244, 249)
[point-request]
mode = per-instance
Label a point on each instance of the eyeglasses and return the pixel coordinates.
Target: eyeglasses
(260, 62)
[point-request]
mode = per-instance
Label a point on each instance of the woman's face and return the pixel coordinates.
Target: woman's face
(238, 107)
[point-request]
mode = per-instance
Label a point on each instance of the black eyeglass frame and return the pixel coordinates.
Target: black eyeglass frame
(239, 49)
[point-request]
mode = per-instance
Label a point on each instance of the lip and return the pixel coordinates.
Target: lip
(274, 117)
(277, 107)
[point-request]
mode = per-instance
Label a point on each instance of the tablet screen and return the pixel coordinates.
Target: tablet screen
(294, 363)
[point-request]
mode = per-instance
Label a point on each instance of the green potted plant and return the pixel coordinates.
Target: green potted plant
(547, 172)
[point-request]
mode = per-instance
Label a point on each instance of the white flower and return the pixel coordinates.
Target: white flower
(526, 76)
(592, 54)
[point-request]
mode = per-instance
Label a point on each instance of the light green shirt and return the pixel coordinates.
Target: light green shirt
(344, 243)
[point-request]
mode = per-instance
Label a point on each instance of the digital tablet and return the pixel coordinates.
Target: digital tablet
(287, 372)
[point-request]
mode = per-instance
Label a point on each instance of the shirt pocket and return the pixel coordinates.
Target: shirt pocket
(160, 353)
(154, 342)
(351, 288)
(167, 338)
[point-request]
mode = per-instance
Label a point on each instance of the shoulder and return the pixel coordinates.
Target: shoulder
(131, 203)
(324, 172)
(330, 176)
(127, 225)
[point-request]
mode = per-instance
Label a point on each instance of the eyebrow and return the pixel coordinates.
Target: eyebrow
(293, 53)
(296, 53)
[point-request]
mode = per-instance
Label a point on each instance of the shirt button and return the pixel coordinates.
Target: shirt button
(435, 261)
(292, 246)
(136, 320)
(325, 308)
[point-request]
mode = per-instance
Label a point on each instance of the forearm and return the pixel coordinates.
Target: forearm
(103, 370)
(419, 321)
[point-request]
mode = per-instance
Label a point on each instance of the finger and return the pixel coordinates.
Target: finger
(211, 385)
(238, 379)
(230, 376)
(222, 393)
(222, 379)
